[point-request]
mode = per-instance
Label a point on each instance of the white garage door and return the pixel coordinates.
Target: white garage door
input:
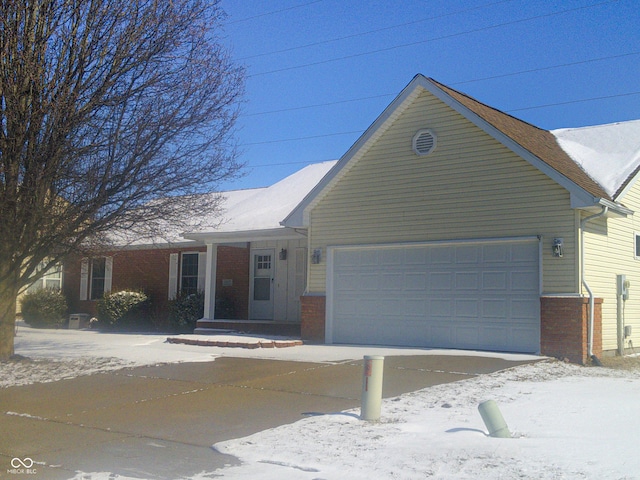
(467, 295)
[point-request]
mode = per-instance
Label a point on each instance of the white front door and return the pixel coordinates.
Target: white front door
(262, 279)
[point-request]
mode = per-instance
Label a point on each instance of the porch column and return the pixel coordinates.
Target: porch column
(210, 282)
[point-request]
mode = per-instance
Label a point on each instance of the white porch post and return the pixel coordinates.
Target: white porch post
(210, 282)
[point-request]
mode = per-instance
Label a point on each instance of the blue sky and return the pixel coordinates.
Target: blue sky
(320, 72)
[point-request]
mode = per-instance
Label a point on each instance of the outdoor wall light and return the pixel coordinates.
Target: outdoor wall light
(283, 254)
(557, 247)
(316, 256)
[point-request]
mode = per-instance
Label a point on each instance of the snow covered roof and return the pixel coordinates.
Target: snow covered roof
(263, 209)
(609, 154)
(240, 216)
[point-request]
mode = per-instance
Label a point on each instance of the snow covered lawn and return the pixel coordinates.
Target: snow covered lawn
(567, 421)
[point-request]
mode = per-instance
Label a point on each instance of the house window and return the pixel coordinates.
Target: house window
(637, 246)
(51, 280)
(98, 277)
(189, 273)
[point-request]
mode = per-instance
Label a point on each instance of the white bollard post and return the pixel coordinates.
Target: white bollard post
(494, 420)
(372, 388)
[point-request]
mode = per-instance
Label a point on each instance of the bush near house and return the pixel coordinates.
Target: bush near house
(44, 308)
(124, 310)
(186, 310)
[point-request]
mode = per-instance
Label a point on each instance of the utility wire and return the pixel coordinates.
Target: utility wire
(370, 32)
(473, 80)
(274, 12)
(584, 100)
(443, 37)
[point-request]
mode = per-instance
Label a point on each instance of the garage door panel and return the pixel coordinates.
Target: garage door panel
(441, 335)
(523, 252)
(393, 281)
(440, 255)
(480, 296)
(524, 280)
(467, 254)
(494, 254)
(495, 309)
(391, 257)
(415, 281)
(465, 308)
(467, 336)
(439, 309)
(467, 281)
(440, 281)
(494, 281)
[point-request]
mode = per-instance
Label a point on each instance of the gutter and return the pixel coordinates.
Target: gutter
(583, 223)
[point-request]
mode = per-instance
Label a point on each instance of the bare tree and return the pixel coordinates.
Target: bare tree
(113, 113)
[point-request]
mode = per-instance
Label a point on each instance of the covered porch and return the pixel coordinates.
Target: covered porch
(276, 277)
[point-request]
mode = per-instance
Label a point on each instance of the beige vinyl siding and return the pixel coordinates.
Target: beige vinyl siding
(471, 186)
(609, 247)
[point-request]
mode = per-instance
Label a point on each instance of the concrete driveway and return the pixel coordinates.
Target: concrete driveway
(160, 422)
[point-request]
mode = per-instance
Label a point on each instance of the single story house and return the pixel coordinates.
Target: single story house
(251, 246)
(451, 224)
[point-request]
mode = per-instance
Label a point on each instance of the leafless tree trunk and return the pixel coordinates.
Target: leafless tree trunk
(114, 114)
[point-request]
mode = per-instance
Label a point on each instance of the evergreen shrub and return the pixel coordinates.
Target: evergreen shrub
(44, 308)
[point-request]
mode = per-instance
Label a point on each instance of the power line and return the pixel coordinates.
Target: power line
(443, 37)
(369, 32)
(327, 104)
(474, 80)
(273, 12)
(584, 100)
(592, 99)
(301, 138)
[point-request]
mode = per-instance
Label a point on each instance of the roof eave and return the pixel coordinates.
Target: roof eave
(281, 233)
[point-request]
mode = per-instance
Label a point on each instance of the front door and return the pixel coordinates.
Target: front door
(262, 272)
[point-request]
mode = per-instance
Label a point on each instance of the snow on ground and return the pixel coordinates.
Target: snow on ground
(567, 421)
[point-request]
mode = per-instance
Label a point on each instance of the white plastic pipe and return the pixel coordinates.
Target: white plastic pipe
(494, 420)
(372, 388)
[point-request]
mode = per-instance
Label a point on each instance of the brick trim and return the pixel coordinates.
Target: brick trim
(312, 318)
(564, 328)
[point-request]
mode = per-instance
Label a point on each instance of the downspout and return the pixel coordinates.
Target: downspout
(583, 222)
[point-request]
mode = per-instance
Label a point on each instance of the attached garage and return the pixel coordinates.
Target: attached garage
(482, 294)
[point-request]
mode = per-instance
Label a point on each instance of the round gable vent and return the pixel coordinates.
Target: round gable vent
(424, 142)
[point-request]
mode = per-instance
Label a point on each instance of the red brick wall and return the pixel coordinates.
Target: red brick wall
(564, 328)
(148, 270)
(313, 310)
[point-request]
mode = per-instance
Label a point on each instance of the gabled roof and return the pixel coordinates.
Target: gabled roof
(539, 142)
(534, 144)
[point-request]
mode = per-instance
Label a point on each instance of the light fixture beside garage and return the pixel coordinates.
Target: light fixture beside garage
(424, 142)
(558, 247)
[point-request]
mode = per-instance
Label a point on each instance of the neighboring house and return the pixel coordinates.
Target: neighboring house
(450, 224)
(251, 269)
(52, 279)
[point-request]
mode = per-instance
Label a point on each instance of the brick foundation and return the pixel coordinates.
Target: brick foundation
(313, 309)
(564, 328)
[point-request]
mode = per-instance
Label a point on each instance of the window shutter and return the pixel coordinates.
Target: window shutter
(84, 279)
(173, 276)
(108, 273)
(202, 270)
(301, 271)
